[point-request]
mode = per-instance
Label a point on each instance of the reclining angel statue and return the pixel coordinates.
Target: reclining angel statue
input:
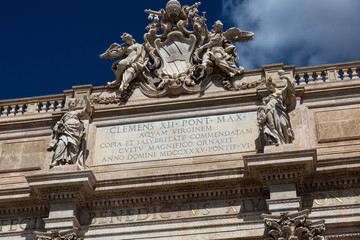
(132, 62)
(68, 141)
(220, 51)
(273, 116)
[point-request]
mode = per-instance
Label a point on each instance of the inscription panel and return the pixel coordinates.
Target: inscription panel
(180, 211)
(179, 138)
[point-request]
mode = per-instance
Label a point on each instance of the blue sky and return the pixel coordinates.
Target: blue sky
(49, 46)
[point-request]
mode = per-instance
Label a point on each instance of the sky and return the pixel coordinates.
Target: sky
(49, 46)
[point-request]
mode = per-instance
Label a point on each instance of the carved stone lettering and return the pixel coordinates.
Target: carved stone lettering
(191, 210)
(181, 138)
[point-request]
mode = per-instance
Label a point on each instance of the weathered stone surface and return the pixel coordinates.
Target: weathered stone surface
(22, 155)
(338, 125)
(167, 165)
(181, 138)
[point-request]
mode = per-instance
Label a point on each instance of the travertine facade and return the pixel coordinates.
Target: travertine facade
(271, 153)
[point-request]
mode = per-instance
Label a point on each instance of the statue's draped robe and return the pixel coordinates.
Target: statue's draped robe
(277, 128)
(71, 130)
(223, 55)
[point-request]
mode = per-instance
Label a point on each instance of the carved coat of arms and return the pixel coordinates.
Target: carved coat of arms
(179, 55)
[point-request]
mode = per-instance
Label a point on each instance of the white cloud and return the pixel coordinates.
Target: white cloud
(300, 32)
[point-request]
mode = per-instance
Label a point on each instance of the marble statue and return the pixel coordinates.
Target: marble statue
(179, 55)
(68, 141)
(273, 115)
(220, 51)
(133, 60)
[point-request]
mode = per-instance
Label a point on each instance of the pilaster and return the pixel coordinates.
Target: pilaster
(64, 191)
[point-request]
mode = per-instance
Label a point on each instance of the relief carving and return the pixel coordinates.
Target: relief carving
(174, 59)
(56, 235)
(273, 116)
(68, 142)
(295, 226)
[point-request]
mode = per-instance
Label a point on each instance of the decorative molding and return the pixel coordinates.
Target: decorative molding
(293, 226)
(281, 167)
(348, 236)
(55, 234)
(64, 186)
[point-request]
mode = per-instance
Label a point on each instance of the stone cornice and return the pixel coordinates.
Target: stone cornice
(62, 186)
(281, 167)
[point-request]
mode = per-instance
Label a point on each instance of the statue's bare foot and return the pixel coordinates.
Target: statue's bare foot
(112, 84)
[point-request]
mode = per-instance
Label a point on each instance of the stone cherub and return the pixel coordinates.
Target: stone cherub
(68, 141)
(273, 116)
(220, 51)
(132, 62)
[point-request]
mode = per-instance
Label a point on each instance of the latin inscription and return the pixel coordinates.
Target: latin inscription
(332, 198)
(20, 224)
(150, 213)
(176, 138)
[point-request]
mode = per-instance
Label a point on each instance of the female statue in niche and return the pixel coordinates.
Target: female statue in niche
(68, 141)
(273, 116)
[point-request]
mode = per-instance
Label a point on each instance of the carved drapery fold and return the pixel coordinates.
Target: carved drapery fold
(273, 115)
(179, 55)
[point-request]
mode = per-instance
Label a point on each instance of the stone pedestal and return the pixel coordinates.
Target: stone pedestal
(282, 173)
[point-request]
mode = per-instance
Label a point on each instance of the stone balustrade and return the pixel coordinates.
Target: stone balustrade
(35, 105)
(327, 73)
(55, 103)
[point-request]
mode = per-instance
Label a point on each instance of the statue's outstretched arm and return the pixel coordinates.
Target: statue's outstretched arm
(288, 92)
(86, 110)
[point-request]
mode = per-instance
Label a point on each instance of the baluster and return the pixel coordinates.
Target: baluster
(326, 79)
(354, 73)
(59, 106)
(319, 77)
(346, 74)
(6, 111)
(21, 110)
(311, 79)
(52, 106)
(43, 107)
(302, 79)
(13, 110)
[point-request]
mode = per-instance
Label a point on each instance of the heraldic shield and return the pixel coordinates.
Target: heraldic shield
(176, 52)
(175, 72)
